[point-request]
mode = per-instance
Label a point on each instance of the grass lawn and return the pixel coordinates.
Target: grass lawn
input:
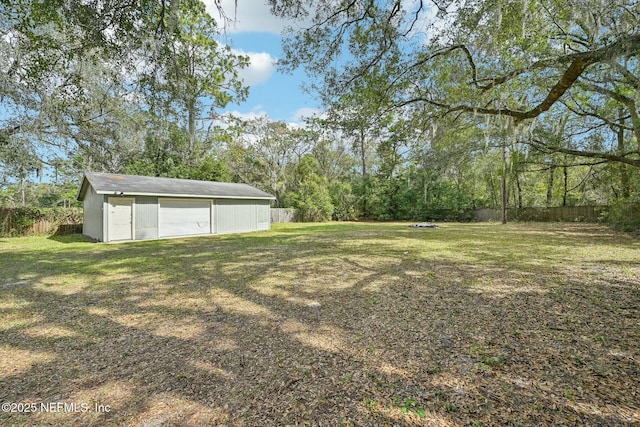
(325, 324)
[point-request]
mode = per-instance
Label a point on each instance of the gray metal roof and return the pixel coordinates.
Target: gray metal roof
(113, 183)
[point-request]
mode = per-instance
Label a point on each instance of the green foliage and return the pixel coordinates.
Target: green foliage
(18, 161)
(345, 202)
(98, 80)
(625, 214)
(266, 154)
(312, 202)
(51, 195)
(43, 195)
(169, 157)
(211, 169)
(417, 120)
(408, 405)
(19, 221)
(450, 407)
(311, 199)
(189, 67)
(162, 156)
(457, 89)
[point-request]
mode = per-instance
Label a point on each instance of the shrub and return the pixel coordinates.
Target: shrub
(313, 201)
(26, 221)
(312, 198)
(624, 214)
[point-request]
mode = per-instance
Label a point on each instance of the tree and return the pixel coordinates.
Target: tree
(49, 49)
(311, 197)
(362, 117)
(337, 164)
(501, 58)
(19, 164)
(266, 155)
(190, 74)
(514, 60)
(211, 168)
(93, 76)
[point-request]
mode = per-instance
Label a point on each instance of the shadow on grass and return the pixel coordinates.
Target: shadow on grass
(68, 237)
(357, 325)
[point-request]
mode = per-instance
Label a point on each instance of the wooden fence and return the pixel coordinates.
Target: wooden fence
(30, 221)
(559, 213)
(283, 215)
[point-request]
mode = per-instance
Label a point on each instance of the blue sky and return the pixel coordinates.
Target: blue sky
(256, 33)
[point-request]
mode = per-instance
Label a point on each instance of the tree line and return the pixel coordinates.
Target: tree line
(432, 108)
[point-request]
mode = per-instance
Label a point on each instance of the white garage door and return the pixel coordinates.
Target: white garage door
(184, 217)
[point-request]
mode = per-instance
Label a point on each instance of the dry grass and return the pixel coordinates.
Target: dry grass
(332, 324)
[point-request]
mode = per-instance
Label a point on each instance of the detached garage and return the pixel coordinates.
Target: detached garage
(128, 207)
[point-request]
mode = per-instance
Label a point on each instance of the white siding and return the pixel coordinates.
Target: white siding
(264, 214)
(146, 217)
(237, 216)
(154, 217)
(92, 214)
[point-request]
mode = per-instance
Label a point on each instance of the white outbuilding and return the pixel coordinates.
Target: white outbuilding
(127, 207)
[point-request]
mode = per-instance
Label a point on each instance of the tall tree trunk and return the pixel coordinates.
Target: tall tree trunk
(624, 174)
(503, 186)
(363, 157)
(424, 190)
(552, 172)
(22, 193)
(493, 191)
(192, 130)
(519, 187)
(365, 186)
(565, 192)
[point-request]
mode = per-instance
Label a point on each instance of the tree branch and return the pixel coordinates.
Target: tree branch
(416, 16)
(632, 79)
(582, 112)
(578, 64)
(623, 46)
(628, 102)
(621, 158)
(9, 131)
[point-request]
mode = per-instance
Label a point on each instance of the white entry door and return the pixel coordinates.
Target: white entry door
(120, 218)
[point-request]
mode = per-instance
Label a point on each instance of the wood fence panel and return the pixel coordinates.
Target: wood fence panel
(29, 221)
(283, 215)
(543, 214)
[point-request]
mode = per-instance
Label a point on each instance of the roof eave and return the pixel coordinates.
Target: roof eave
(83, 189)
(186, 196)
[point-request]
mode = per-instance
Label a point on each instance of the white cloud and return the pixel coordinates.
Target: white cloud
(250, 15)
(259, 112)
(428, 23)
(256, 112)
(305, 112)
(260, 69)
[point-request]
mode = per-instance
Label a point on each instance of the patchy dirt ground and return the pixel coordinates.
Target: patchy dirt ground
(332, 324)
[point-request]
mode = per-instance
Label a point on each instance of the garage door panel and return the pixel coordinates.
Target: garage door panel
(179, 217)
